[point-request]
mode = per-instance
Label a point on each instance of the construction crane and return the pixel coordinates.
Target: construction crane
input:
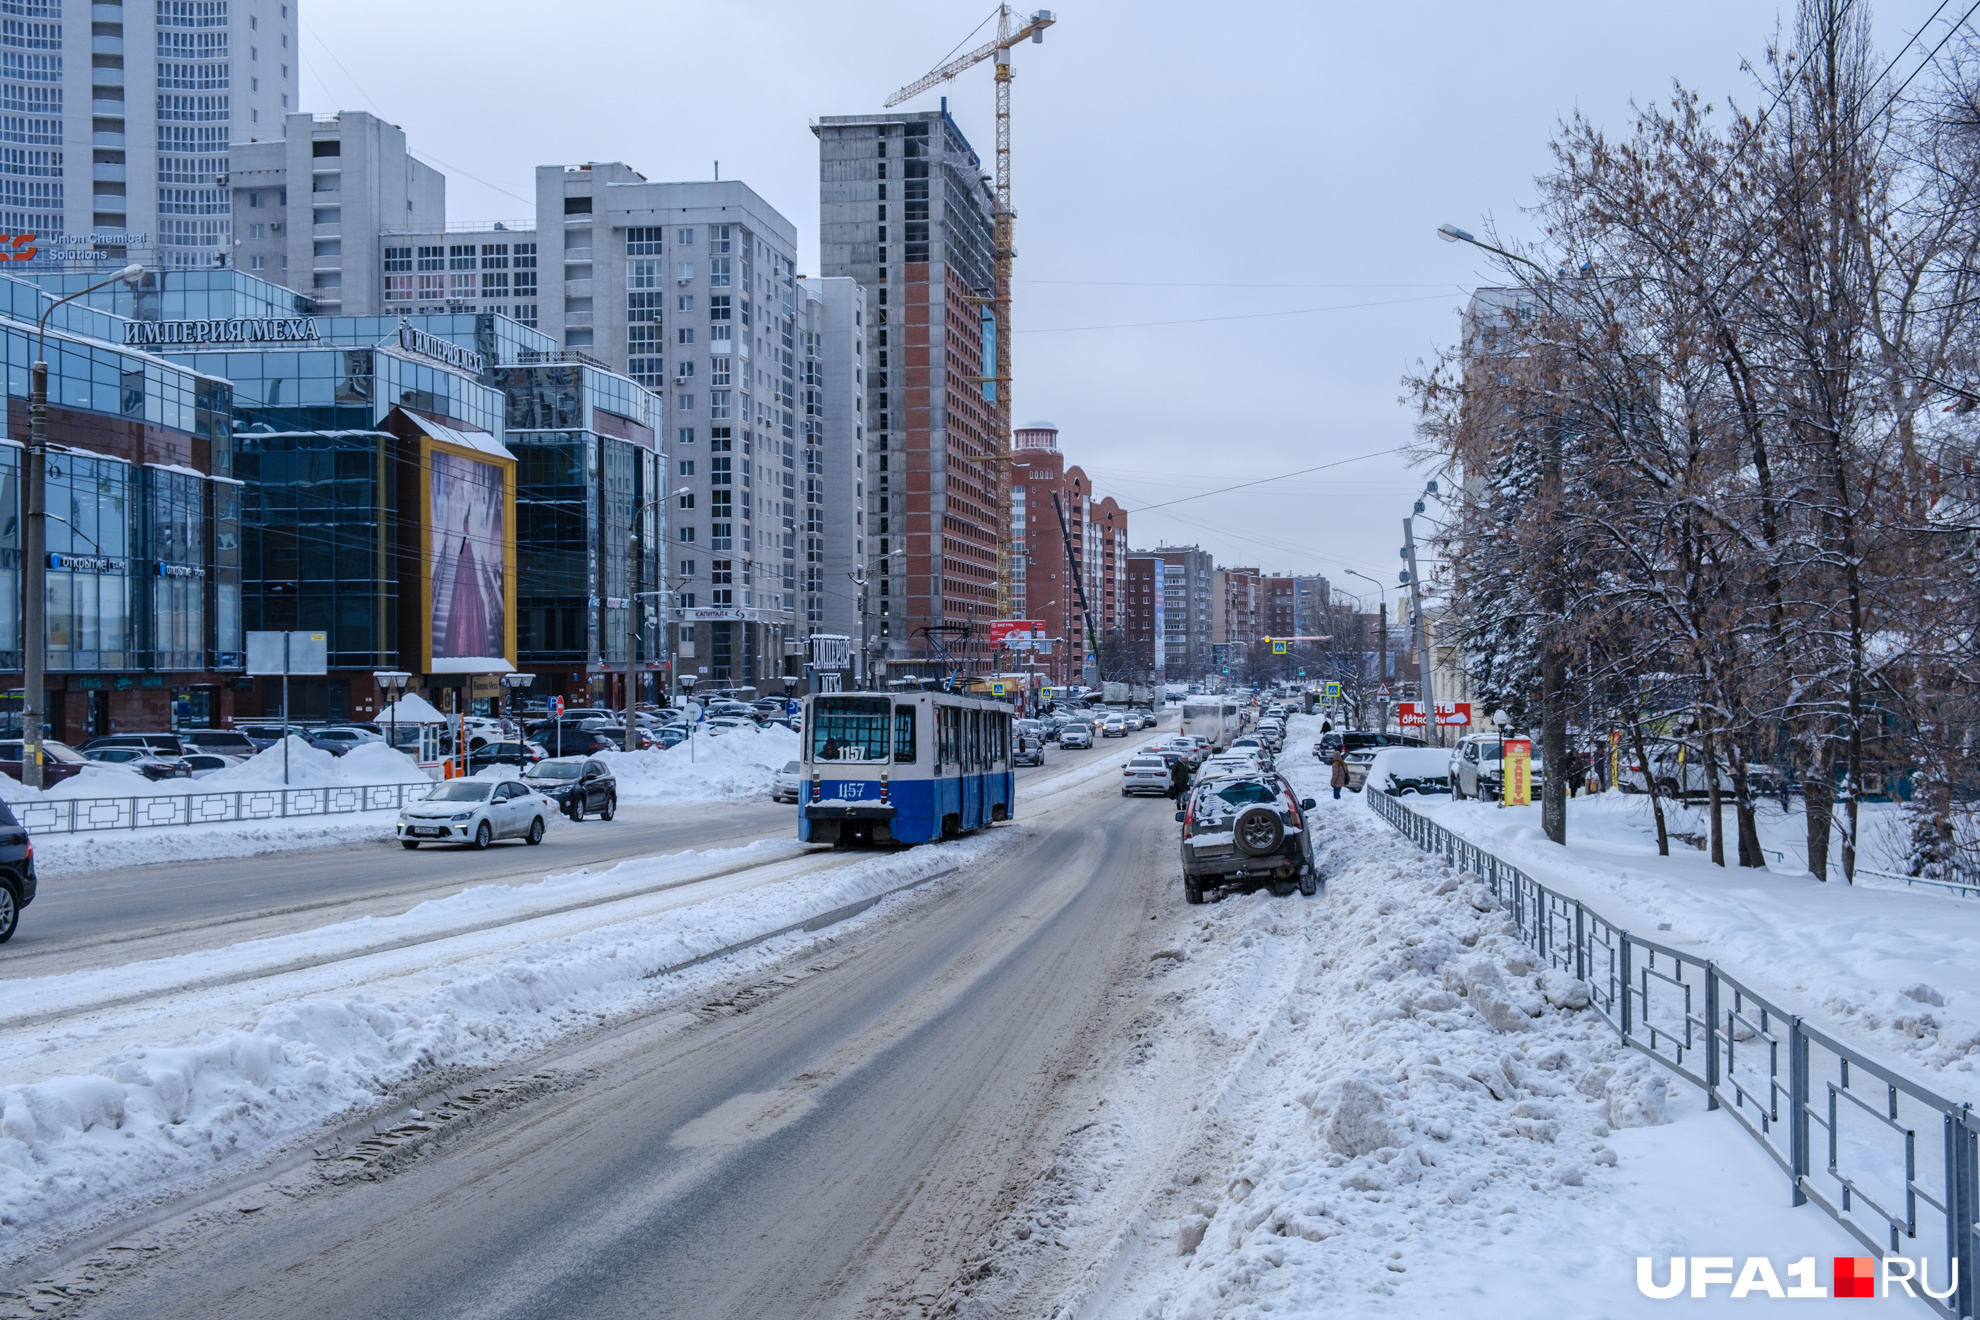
(1002, 252)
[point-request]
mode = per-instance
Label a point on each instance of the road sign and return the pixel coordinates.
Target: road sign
(1333, 692)
(1454, 714)
(1278, 648)
(1383, 692)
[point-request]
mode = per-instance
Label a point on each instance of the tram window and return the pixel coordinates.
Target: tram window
(949, 735)
(904, 733)
(849, 728)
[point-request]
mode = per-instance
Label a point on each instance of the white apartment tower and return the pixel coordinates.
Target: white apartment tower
(116, 121)
(831, 533)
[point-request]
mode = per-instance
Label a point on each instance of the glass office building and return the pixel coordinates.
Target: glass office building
(144, 622)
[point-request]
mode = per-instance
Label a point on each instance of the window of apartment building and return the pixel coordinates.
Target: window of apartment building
(721, 404)
(684, 303)
(685, 499)
(718, 273)
(718, 371)
(646, 275)
(577, 206)
(718, 307)
(684, 403)
(643, 242)
(687, 568)
(684, 271)
(721, 577)
(685, 334)
(687, 536)
(687, 467)
(720, 339)
(719, 238)
(685, 435)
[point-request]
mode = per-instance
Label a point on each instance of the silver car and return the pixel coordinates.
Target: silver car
(475, 812)
(1145, 774)
(1076, 734)
(786, 783)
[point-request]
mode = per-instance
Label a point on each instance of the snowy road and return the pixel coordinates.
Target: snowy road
(838, 1138)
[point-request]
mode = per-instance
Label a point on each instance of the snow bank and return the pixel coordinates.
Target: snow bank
(266, 1064)
(1895, 973)
(724, 766)
(1423, 1122)
(309, 767)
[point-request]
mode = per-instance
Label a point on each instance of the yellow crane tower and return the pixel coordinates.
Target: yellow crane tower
(1002, 252)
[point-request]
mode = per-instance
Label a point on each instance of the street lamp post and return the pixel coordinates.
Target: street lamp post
(515, 683)
(632, 624)
(860, 578)
(34, 555)
(392, 683)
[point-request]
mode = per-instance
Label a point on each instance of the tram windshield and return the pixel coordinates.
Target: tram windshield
(850, 728)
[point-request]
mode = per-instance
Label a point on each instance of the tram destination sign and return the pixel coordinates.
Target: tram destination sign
(223, 330)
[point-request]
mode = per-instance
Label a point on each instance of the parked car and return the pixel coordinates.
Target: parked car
(1351, 739)
(59, 761)
(169, 745)
(561, 740)
(520, 754)
(1076, 733)
(142, 761)
(208, 763)
(264, 736)
(222, 742)
(1478, 772)
(787, 783)
(16, 871)
(476, 812)
(671, 735)
(578, 784)
(1244, 831)
(1028, 749)
(346, 736)
(1257, 745)
(1399, 771)
(1680, 773)
(1192, 747)
(1147, 773)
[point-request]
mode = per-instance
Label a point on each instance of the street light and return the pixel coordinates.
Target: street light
(516, 683)
(632, 622)
(860, 578)
(390, 682)
(34, 555)
(1452, 234)
(1382, 635)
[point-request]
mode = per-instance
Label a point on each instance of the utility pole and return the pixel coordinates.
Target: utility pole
(1426, 687)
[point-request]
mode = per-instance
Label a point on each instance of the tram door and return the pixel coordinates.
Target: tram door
(972, 769)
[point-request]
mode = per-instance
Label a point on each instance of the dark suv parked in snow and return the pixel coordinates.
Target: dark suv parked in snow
(16, 872)
(1244, 831)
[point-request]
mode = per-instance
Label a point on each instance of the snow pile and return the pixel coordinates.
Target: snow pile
(1895, 972)
(723, 766)
(309, 767)
(189, 1084)
(1423, 1121)
(409, 709)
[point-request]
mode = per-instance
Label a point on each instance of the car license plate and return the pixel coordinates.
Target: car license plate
(430, 831)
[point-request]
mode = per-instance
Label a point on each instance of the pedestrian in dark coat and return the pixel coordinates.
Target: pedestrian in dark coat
(1178, 779)
(1340, 773)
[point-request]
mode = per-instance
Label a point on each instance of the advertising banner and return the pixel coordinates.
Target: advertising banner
(1519, 772)
(1456, 714)
(470, 545)
(1409, 714)
(1007, 632)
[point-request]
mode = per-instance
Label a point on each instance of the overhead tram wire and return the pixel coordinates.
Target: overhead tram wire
(1242, 485)
(1240, 316)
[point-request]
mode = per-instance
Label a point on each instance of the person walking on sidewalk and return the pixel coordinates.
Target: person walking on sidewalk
(1340, 773)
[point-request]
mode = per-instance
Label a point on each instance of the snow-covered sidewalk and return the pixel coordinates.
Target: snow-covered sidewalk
(1419, 1122)
(1894, 972)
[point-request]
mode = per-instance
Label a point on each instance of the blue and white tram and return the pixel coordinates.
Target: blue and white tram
(903, 767)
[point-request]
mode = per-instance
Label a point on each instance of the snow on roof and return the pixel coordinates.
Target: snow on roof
(409, 709)
(479, 440)
(471, 664)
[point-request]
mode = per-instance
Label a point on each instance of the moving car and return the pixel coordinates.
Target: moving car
(475, 812)
(1076, 733)
(16, 871)
(1145, 774)
(1028, 749)
(1244, 831)
(1115, 726)
(786, 783)
(59, 761)
(1477, 770)
(577, 784)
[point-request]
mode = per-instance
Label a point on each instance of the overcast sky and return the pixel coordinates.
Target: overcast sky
(1226, 212)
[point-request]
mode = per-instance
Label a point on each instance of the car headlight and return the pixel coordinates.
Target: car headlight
(465, 815)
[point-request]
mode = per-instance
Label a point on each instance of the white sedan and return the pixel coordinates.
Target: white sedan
(787, 783)
(475, 812)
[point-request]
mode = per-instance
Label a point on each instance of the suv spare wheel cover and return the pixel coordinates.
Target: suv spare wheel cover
(1258, 830)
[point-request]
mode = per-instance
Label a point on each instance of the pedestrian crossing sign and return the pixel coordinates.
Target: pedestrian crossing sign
(1278, 648)
(1333, 692)
(997, 687)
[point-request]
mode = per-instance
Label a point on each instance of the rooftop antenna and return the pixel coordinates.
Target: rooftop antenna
(718, 171)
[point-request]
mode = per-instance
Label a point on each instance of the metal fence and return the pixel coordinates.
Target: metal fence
(1892, 1161)
(84, 815)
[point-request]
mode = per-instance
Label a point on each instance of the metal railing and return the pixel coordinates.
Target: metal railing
(82, 815)
(1893, 1162)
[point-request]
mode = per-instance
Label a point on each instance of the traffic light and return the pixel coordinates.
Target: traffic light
(1302, 673)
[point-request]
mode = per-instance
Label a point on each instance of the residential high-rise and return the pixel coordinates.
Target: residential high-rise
(1187, 610)
(692, 288)
(1239, 607)
(119, 119)
(1145, 616)
(323, 205)
(832, 488)
(1095, 527)
(905, 209)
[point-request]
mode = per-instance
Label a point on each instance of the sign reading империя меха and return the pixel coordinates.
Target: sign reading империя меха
(223, 330)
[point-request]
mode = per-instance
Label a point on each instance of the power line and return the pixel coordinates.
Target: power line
(1241, 316)
(1242, 485)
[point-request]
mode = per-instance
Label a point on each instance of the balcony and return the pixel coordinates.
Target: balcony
(574, 318)
(115, 140)
(103, 171)
(106, 77)
(577, 288)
